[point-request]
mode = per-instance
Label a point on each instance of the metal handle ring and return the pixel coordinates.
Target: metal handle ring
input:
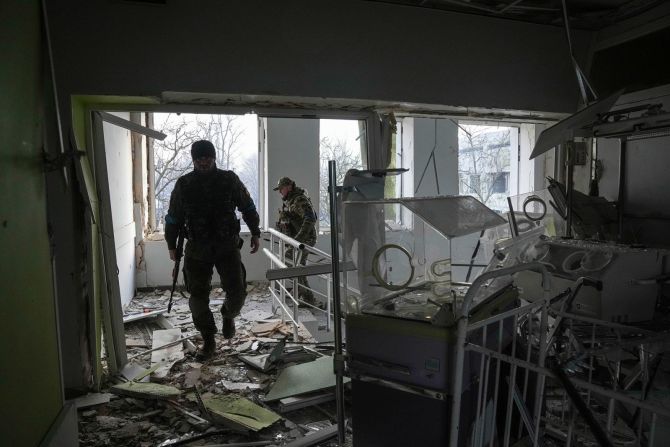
(377, 274)
(534, 199)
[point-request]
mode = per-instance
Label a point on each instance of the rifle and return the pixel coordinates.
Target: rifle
(175, 271)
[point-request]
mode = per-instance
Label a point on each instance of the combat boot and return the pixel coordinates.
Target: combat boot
(208, 348)
(228, 328)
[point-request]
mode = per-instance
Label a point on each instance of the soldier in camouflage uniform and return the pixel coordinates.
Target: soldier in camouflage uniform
(204, 201)
(297, 219)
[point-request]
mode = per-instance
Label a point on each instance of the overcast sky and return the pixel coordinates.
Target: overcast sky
(344, 130)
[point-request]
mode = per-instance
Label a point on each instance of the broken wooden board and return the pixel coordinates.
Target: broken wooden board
(168, 355)
(145, 390)
(239, 412)
(304, 378)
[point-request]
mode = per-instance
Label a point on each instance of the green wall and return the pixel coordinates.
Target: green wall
(29, 367)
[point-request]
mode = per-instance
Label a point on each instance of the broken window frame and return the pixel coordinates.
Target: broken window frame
(104, 261)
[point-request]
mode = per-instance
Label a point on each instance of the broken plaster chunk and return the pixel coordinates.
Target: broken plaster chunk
(128, 431)
(192, 377)
(109, 422)
(238, 386)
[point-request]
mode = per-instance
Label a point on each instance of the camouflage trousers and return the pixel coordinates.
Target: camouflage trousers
(303, 286)
(198, 274)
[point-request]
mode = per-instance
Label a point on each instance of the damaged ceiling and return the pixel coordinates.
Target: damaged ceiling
(583, 14)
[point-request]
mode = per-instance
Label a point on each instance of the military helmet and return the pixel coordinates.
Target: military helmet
(284, 181)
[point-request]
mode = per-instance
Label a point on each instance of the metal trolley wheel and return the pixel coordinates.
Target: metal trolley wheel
(377, 274)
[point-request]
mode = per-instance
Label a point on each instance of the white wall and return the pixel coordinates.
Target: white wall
(446, 156)
(292, 151)
(327, 48)
(119, 158)
(158, 272)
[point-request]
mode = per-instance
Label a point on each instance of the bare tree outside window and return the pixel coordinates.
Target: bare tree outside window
(345, 158)
(484, 163)
(232, 135)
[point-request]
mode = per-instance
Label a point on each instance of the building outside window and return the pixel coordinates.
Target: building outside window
(484, 155)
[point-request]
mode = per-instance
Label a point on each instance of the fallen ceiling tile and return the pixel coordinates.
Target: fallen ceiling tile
(145, 390)
(168, 355)
(239, 412)
(91, 399)
(304, 378)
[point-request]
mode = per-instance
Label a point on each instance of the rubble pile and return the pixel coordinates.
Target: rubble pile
(164, 397)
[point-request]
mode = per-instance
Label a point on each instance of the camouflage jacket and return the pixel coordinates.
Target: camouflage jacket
(205, 204)
(297, 217)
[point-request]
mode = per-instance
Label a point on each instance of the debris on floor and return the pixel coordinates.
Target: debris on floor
(240, 412)
(166, 353)
(261, 388)
(145, 390)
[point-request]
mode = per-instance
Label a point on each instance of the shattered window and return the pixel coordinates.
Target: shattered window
(342, 141)
(235, 138)
(484, 154)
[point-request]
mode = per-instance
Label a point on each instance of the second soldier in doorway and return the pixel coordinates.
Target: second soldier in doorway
(297, 219)
(204, 201)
